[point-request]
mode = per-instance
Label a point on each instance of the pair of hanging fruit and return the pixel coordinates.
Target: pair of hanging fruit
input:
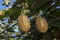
(24, 24)
(41, 24)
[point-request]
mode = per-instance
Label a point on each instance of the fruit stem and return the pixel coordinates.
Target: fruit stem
(22, 11)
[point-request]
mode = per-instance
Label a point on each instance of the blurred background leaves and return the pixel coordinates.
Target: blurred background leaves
(51, 11)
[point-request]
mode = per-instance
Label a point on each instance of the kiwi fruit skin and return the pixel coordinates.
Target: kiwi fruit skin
(41, 24)
(23, 23)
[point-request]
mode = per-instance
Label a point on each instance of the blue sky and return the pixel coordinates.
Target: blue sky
(3, 7)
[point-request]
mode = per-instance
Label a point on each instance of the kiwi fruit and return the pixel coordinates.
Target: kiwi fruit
(23, 23)
(41, 24)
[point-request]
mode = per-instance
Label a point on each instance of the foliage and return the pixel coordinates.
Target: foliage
(50, 10)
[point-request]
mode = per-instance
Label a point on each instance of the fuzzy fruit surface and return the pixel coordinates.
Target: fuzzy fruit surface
(41, 24)
(24, 23)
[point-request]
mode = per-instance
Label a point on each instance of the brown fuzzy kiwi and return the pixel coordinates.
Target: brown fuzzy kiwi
(41, 24)
(24, 23)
